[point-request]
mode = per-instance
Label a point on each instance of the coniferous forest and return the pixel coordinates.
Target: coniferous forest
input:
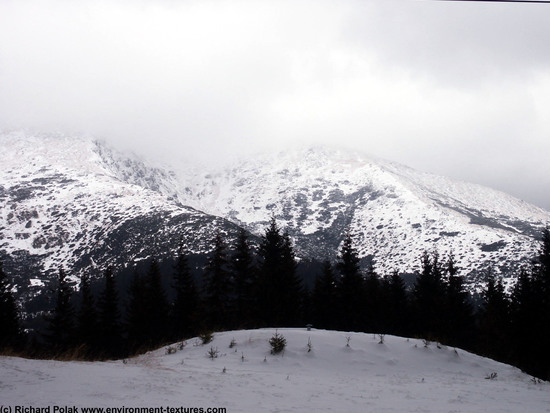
(243, 287)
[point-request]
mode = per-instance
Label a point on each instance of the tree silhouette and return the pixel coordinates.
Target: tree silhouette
(10, 330)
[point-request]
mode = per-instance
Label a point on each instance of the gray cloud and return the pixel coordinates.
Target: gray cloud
(461, 89)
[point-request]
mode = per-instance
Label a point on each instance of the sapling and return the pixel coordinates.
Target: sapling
(277, 342)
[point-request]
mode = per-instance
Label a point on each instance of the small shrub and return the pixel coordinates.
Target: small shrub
(171, 350)
(206, 337)
(426, 343)
(213, 353)
(277, 343)
(381, 338)
(348, 339)
(491, 376)
(309, 345)
(181, 345)
(232, 344)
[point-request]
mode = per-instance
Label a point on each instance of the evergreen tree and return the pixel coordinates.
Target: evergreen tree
(136, 315)
(494, 320)
(87, 320)
(459, 321)
(218, 286)
(10, 330)
(525, 310)
(293, 294)
(428, 298)
(351, 287)
(373, 311)
(186, 302)
(279, 288)
(61, 320)
(109, 316)
(244, 275)
(325, 298)
(397, 308)
(156, 304)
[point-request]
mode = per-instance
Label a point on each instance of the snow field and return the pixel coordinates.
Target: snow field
(400, 375)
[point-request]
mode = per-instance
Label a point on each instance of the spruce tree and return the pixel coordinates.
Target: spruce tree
(459, 321)
(494, 320)
(109, 316)
(397, 308)
(137, 328)
(244, 276)
(186, 301)
(325, 298)
(10, 330)
(218, 287)
(87, 332)
(525, 311)
(156, 304)
(60, 332)
(279, 287)
(428, 298)
(373, 307)
(351, 287)
(293, 293)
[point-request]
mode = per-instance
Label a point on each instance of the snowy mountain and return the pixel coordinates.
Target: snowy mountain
(74, 203)
(398, 375)
(78, 203)
(393, 212)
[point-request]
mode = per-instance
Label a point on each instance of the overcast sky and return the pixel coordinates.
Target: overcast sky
(455, 88)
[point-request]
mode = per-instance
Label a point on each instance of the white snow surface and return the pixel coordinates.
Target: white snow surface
(400, 375)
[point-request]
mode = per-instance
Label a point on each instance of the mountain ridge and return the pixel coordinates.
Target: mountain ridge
(79, 203)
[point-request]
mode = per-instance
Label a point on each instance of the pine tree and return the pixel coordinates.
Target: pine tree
(137, 328)
(292, 298)
(397, 308)
(459, 321)
(87, 320)
(525, 310)
(428, 298)
(279, 288)
(244, 275)
(156, 304)
(494, 320)
(351, 287)
(218, 286)
(109, 316)
(325, 298)
(10, 330)
(186, 302)
(61, 320)
(373, 311)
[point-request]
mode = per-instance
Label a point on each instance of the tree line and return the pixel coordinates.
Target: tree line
(246, 287)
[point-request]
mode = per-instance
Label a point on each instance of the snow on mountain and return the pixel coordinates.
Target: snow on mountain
(74, 203)
(78, 203)
(393, 212)
(399, 375)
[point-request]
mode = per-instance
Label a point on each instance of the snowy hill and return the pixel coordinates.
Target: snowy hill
(400, 375)
(393, 212)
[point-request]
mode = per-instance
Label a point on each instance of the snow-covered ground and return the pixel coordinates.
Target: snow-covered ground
(400, 375)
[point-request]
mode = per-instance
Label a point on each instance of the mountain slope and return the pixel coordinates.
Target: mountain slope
(393, 212)
(400, 375)
(64, 204)
(78, 203)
